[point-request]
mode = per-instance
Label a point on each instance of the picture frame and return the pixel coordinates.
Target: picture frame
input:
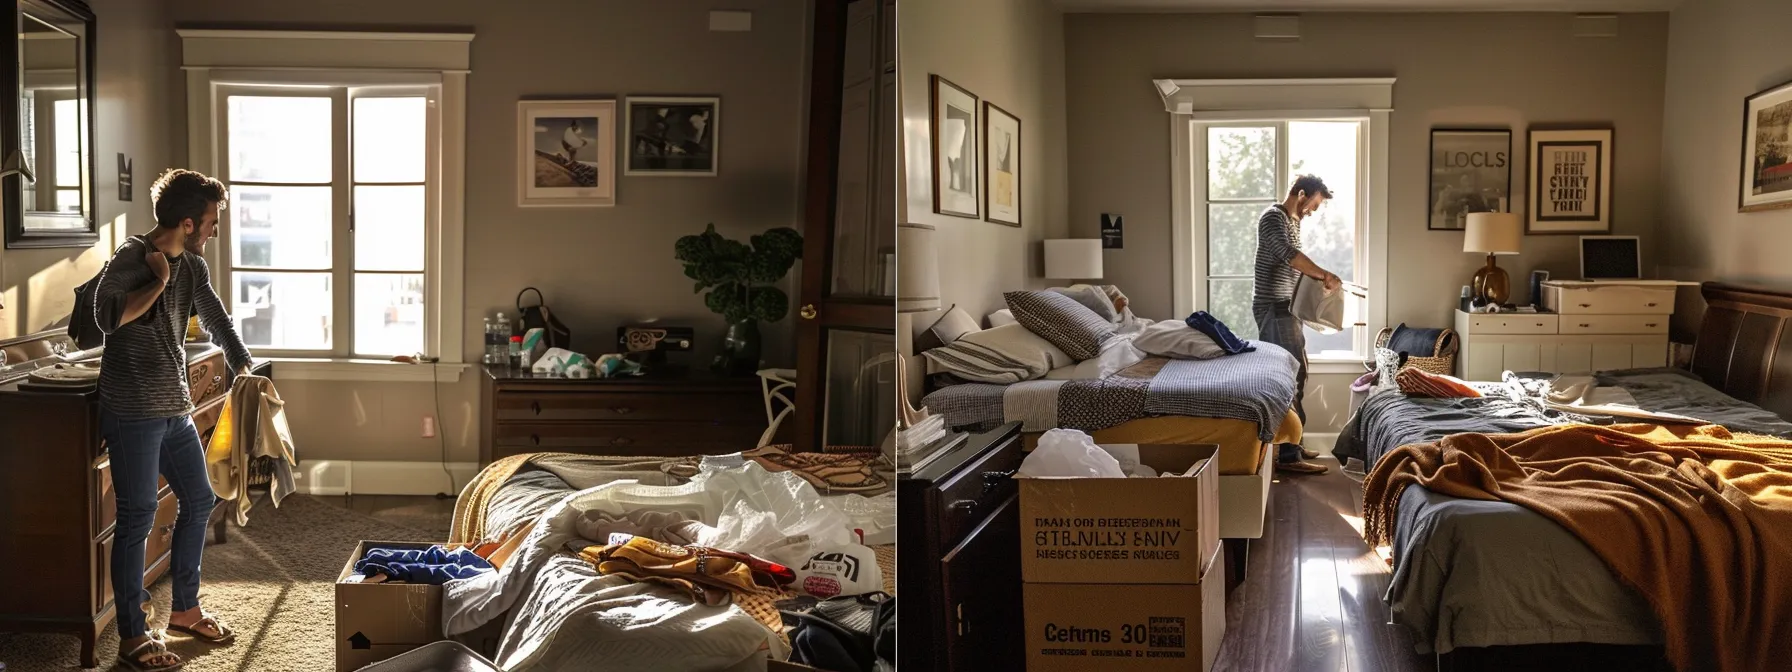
(673, 136)
(1766, 182)
(1001, 166)
(566, 153)
(1471, 171)
(955, 150)
(1569, 181)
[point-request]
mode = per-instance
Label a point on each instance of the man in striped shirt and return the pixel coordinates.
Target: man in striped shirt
(1280, 263)
(144, 296)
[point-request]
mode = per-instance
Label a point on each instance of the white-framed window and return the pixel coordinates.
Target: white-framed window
(343, 242)
(1238, 144)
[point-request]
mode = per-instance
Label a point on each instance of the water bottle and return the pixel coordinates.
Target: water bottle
(502, 339)
(487, 357)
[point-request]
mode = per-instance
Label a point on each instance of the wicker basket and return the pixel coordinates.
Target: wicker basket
(1442, 359)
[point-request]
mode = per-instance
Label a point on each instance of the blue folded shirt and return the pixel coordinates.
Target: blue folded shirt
(1207, 324)
(434, 565)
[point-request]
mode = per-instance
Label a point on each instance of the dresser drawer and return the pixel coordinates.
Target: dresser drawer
(1609, 300)
(105, 511)
(205, 378)
(1511, 324)
(161, 539)
(974, 493)
(632, 406)
(1614, 324)
(624, 438)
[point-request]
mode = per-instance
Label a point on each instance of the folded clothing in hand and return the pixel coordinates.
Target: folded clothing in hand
(434, 565)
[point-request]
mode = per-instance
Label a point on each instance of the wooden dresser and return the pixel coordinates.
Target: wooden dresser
(1589, 327)
(960, 541)
(56, 492)
(668, 412)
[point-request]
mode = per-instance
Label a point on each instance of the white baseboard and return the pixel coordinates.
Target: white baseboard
(371, 477)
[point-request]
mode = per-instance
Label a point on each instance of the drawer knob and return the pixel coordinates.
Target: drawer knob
(1583, 325)
(535, 406)
(1586, 305)
(1650, 325)
(535, 439)
(1651, 305)
(621, 441)
(622, 410)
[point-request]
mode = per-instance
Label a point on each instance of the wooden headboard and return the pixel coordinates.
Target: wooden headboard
(1745, 345)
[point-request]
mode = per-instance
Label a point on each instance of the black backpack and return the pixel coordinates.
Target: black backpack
(83, 324)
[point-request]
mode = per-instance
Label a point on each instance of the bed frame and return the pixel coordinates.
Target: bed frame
(1744, 348)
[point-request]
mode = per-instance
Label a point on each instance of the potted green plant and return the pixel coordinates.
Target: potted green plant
(740, 279)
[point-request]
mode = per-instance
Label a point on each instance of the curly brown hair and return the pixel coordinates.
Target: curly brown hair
(181, 194)
(1310, 184)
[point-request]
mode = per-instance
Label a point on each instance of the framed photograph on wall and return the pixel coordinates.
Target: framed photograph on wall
(954, 150)
(1001, 166)
(1471, 171)
(566, 153)
(1767, 150)
(673, 136)
(1570, 184)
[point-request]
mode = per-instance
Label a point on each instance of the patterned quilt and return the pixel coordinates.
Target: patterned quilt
(1255, 386)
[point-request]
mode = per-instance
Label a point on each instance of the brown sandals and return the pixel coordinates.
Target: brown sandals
(224, 634)
(142, 658)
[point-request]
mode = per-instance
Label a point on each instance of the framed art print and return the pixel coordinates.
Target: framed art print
(1570, 183)
(1001, 166)
(1471, 171)
(566, 153)
(954, 150)
(1767, 150)
(673, 136)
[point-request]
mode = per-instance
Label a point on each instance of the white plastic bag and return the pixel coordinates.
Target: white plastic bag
(842, 569)
(1070, 453)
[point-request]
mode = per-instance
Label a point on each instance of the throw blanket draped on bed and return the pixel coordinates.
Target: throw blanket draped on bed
(1254, 386)
(1697, 520)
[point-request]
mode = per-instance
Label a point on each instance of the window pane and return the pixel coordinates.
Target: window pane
(68, 200)
(1329, 149)
(388, 313)
(389, 139)
(1230, 301)
(1241, 163)
(68, 144)
(1232, 237)
(289, 311)
(1341, 344)
(281, 227)
(279, 139)
(389, 228)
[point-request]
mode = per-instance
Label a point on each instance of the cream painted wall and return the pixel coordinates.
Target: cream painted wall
(136, 66)
(1456, 69)
(599, 268)
(1719, 52)
(1006, 52)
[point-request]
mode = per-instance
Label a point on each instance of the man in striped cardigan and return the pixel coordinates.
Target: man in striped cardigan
(1280, 263)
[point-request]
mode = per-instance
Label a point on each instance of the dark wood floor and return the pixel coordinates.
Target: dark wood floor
(1311, 598)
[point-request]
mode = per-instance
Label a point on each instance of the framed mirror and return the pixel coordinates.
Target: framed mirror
(46, 148)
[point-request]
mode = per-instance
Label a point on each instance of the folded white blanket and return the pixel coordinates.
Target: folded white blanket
(1584, 394)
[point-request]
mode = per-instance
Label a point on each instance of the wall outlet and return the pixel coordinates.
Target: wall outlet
(429, 426)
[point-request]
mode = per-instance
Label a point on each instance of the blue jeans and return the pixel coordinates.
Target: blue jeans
(139, 450)
(1276, 324)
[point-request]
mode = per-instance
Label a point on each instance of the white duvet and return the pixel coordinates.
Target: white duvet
(560, 614)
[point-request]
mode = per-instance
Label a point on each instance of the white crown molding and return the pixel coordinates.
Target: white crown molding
(287, 49)
(1192, 96)
(323, 35)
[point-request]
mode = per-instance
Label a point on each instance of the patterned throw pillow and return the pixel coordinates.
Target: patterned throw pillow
(1416, 382)
(1057, 318)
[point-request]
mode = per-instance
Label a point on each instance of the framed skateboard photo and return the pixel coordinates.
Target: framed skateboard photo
(566, 153)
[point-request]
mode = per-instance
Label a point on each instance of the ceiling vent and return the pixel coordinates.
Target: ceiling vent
(1277, 27)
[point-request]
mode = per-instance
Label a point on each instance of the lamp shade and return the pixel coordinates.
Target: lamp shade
(1078, 259)
(1493, 233)
(917, 270)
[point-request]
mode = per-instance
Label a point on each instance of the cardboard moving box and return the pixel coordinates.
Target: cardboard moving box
(1127, 627)
(376, 621)
(1124, 530)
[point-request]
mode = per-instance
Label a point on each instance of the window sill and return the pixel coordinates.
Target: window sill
(1331, 366)
(364, 370)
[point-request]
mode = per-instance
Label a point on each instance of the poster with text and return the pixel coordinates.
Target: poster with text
(1570, 181)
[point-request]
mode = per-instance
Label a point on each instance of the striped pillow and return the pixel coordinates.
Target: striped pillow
(1061, 320)
(1003, 355)
(1415, 382)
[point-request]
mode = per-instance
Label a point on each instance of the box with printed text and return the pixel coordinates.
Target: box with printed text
(1126, 627)
(1161, 530)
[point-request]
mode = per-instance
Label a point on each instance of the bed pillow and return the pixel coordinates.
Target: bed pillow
(1176, 340)
(1415, 382)
(1005, 354)
(953, 325)
(1001, 317)
(1076, 330)
(1094, 298)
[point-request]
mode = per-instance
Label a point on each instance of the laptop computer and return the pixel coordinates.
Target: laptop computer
(1610, 259)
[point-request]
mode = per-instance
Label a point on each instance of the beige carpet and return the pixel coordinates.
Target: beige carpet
(273, 581)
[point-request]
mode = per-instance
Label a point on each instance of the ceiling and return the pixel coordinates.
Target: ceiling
(1592, 6)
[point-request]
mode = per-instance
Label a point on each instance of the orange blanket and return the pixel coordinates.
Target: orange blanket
(1696, 520)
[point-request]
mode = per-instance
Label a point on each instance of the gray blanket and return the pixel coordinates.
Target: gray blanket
(1474, 573)
(1254, 386)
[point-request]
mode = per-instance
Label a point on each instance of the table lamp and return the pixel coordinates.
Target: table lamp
(1492, 233)
(917, 269)
(1077, 259)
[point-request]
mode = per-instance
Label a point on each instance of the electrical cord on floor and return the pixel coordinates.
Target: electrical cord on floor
(435, 391)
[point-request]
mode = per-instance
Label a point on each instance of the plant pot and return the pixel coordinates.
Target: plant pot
(739, 355)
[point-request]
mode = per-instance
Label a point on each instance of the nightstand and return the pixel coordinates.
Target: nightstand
(1589, 327)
